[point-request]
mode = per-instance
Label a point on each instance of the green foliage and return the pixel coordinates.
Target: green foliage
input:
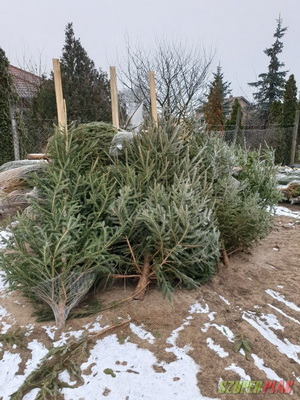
(57, 256)
(259, 174)
(289, 108)
(290, 102)
(46, 376)
(244, 209)
(6, 93)
(163, 201)
(86, 90)
(168, 203)
(40, 117)
(231, 125)
(271, 84)
(214, 107)
(109, 371)
(232, 121)
(12, 338)
(242, 205)
(242, 343)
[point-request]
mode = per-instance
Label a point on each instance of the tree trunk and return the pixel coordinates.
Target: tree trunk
(140, 290)
(225, 258)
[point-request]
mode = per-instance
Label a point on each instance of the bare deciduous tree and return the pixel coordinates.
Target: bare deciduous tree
(180, 73)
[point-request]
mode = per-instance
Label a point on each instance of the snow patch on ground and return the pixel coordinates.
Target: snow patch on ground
(285, 212)
(38, 351)
(279, 297)
(10, 381)
(4, 235)
(284, 314)
(142, 333)
(221, 328)
(197, 308)
(93, 327)
(260, 364)
(129, 373)
(225, 300)
(50, 330)
(6, 320)
(65, 336)
(238, 370)
(31, 395)
(3, 312)
(217, 348)
(265, 329)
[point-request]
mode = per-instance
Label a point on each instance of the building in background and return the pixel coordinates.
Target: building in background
(26, 85)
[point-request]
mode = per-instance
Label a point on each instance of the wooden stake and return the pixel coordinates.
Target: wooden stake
(153, 97)
(60, 103)
(114, 97)
(294, 138)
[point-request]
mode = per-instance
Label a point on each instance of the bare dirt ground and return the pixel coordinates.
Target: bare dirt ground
(257, 297)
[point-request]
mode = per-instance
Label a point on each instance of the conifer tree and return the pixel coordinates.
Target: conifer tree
(214, 107)
(236, 109)
(86, 90)
(6, 93)
(278, 132)
(58, 251)
(289, 107)
(270, 86)
(170, 233)
(231, 123)
(289, 101)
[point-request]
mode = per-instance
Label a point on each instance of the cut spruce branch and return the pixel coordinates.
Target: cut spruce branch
(58, 359)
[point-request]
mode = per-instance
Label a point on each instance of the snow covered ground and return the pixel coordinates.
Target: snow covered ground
(138, 373)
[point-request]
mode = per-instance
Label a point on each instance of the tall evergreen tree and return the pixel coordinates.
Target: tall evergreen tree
(235, 111)
(290, 102)
(289, 107)
(214, 107)
(6, 91)
(270, 85)
(86, 90)
(231, 124)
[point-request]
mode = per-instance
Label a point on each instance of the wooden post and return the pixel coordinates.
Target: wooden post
(153, 97)
(15, 133)
(294, 138)
(60, 103)
(114, 97)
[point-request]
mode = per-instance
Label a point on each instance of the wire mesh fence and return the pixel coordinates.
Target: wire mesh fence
(28, 136)
(276, 137)
(33, 136)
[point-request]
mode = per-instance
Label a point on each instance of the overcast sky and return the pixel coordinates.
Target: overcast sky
(237, 30)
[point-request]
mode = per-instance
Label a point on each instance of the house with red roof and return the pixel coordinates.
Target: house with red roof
(26, 84)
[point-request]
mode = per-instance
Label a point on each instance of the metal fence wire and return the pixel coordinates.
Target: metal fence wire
(33, 135)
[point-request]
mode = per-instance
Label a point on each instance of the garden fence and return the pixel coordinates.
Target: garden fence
(34, 134)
